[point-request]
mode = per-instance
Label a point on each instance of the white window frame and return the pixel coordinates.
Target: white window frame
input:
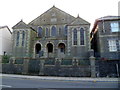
(119, 45)
(78, 36)
(84, 37)
(114, 26)
(112, 45)
(73, 37)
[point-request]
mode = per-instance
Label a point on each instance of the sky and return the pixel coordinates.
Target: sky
(12, 11)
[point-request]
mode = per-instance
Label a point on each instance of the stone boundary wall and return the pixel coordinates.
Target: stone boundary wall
(41, 67)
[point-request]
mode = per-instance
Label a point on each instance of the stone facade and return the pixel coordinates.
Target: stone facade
(105, 41)
(62, 40)
(54, 35)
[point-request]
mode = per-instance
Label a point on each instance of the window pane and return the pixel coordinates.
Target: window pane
(23, 37)
(17, 40)
(61, 49)
(114, 27)
(112, 45)
(81, 36)
(119, 44)
(65, 30)
(39, 32)
(75, 37)
(53, 31)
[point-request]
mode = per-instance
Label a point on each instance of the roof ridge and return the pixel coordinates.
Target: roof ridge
(49, 10)
(78, 17)
(21, 21)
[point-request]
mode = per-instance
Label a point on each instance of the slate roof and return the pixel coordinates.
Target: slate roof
(104, 18)
(6, 27)
(21, 25)
(58, 16)
(109, 18)
(79, 21)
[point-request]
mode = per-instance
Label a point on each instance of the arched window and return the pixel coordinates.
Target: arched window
(53, 31)
(47, 32)
(65, 30)
(39, 32)
(82, 36)
(17, 39)
(75, 37)
(23, 38)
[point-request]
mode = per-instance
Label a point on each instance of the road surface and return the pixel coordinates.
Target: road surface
(12, 82)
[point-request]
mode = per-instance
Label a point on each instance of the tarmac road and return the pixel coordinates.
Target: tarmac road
(17, 82)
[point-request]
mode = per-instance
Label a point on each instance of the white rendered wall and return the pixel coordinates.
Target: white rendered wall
(6, 41)
(0, 42)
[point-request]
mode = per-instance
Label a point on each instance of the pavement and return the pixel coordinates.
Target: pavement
(98, 79)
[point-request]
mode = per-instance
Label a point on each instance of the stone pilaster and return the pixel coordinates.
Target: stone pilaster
(75, 61)
(41, 72)
(57, 62)
(25, 66)
(92, 63)
(12, 60)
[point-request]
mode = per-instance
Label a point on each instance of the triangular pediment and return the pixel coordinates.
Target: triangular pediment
(20, 25)
(53, 16)
(79, 21)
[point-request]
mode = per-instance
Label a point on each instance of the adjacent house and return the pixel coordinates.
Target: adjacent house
(5, 40)
(105, 40)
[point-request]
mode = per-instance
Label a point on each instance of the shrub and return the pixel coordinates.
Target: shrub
(5, 59)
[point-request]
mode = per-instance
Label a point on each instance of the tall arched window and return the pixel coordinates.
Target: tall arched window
(53, 31)
(39, 32)
(47, 32)
(75, 37)
(65, 30)
(82, 36)
(23, 38)
(17, 39)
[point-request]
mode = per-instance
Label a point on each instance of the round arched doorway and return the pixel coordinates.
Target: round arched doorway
(61, 48)
(50, 47)
(38, 51)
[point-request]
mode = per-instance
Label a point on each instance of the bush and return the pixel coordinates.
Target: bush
(5, 59)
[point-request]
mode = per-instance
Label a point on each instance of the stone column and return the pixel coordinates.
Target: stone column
(25, 66)
(57, 62)
(12, 68)
(75, 61)
(12, 60)
(92, 63)
(41, 72)
(57, 66)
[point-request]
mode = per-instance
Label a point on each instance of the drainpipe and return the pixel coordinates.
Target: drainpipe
(117, 70)
(103, 25)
